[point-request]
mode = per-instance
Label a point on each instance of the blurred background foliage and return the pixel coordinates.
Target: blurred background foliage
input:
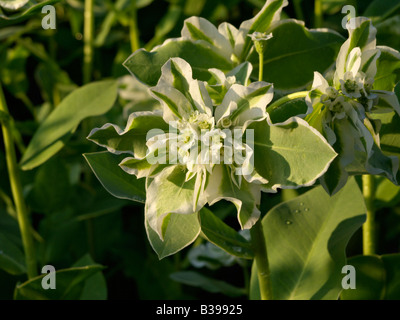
(75, 220)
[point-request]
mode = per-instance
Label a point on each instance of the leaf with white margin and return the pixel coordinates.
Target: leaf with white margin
(241, 103)
(289, 154)
(336, 176)
(146, 66)
(168, 193)
(180, 231)
(246, 199)
(177, 73)
(362, 36)
(200, 29)
(219, 84)
(268, 14)
(140, 168)
(133, 138)
(13, 4)
(388, 102)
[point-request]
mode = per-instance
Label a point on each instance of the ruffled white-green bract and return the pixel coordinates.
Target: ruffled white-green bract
(342, 109)
(213, 141)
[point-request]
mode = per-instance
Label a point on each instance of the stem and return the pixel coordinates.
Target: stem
(16, 188)
(369, 228)
(133, 29)
(317, 14)
(88, 41)
(261, 258)
(298, 10)
(289, 97)
(260, 66)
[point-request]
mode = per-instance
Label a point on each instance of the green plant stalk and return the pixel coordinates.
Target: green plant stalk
(261, 259)
(16, 189)
(318, 14)
(289, 97)
(260, 66)
(369, 227)
(133, 29)
(88, 33)
(298, 10)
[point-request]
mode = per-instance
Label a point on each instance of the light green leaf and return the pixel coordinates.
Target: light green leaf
(133, 138)
(169, 192)
(388, 69)
(115, 180)
(225, 237)
(200, 29)
(180, 231)
(196, 279)
(377, 278)
(387, 194)
(90, 100)
(294, 53)
(69, 284)
(146, 66)
(306, 239)
(246, 198)
(283, 156)
(12, 259)
(241, 103)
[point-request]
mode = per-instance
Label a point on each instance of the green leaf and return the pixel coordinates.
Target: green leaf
(51, 188)
(286, 110)
(146, 66)
(68, 284)
(379, 10)
(13, 73)
(95, 287)
(20, 16)
(12, 259)
(133, 138)
(115, 180)
(90, 100)
(294, 53)
(196, 279)
(387, 194)
(290, 154)
(306, 239)
(225, 237)
(388, 69)
(377, 278)
(180, 231)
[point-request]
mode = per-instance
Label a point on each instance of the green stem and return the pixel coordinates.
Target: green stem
(298, 10)
(369, 228)
(261, 258)
(133, 29)
(88, 33)
(260, 66)
(318, 14)
(16, 189)
(289, 97)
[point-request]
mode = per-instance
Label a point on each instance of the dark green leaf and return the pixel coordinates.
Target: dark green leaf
(115, 180)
